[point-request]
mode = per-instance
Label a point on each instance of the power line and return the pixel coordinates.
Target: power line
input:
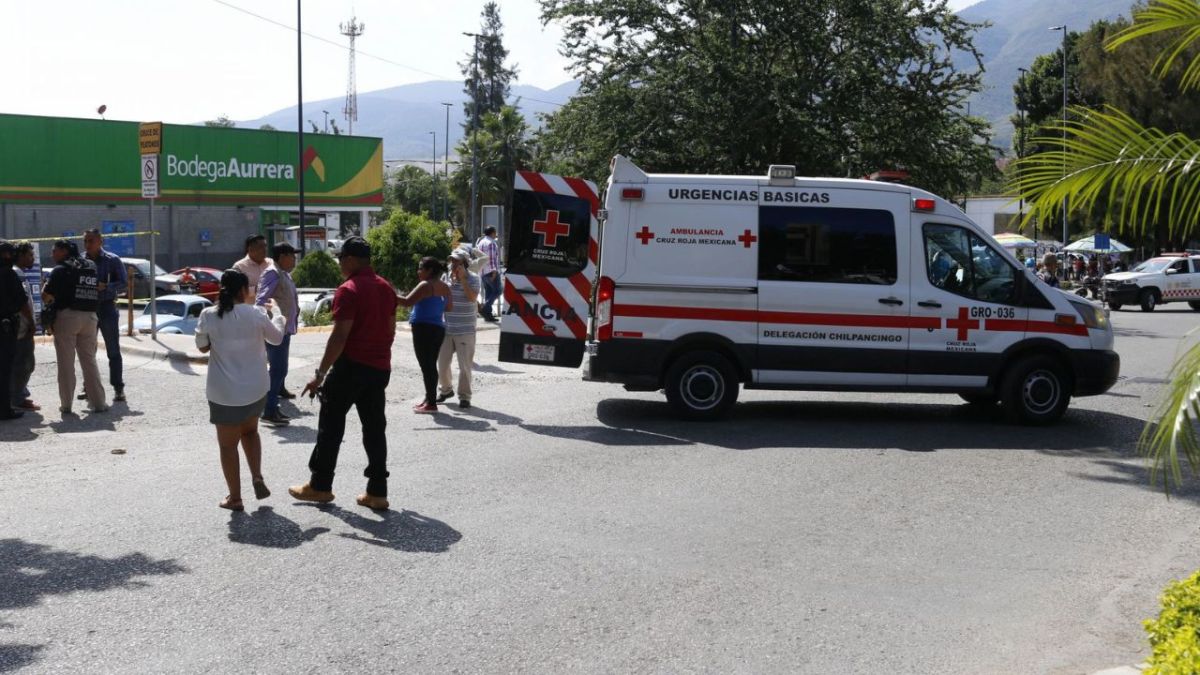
(337, 44)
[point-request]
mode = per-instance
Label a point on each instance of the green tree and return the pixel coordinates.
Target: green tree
(505, 146)
(267, 127)
(400, 243)
(1135, 176)
(222, 122)
(836, 87)
(317, 269)
(493, 76)
(412, 188)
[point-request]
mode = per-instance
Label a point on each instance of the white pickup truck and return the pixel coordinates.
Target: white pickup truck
(1169, 278)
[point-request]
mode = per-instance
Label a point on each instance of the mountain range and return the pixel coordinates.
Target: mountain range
(403, 116)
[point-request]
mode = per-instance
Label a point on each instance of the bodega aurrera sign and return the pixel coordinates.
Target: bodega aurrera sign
(213, 170)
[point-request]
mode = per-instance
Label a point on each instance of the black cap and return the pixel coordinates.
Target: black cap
(7, 247)
(355, 247)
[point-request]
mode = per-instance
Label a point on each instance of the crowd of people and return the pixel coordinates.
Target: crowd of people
(247, 336)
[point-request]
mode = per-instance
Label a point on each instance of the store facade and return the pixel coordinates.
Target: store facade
(61, 176)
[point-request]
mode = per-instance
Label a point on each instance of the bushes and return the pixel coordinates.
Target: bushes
(1175, 634)
(317, 270)
(400, 243)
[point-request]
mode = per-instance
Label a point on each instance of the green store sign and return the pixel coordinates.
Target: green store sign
(52, 160)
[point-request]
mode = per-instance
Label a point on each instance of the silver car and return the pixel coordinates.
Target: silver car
(176, 314)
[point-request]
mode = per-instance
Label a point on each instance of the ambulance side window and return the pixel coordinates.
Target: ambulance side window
(960, 262)
(549, 234)
(827, 245)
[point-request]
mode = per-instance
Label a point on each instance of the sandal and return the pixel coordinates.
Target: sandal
(260, 489)
(232, 504)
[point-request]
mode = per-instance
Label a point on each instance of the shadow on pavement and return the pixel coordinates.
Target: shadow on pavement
(494, 370)
(263, 527)
(291, 434)
(16, 657)
(858, 425)
(1137, 474)
(29, 571)
(22, 430)
(484, 413)
(406, 531)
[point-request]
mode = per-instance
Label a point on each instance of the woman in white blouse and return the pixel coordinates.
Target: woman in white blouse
(233, 333)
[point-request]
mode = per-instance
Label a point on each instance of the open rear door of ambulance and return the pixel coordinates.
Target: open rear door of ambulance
(551, 253)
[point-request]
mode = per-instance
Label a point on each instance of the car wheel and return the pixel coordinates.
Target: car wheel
(1035, 390)
(1194, 305)
(979, 399)
(1148, 300)
(701, 386)
(1115, 306)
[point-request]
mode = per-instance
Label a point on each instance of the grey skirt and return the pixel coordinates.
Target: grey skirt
(234, 414)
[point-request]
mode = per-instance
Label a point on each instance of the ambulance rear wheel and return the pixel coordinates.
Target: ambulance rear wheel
(1148, 300)
(1036, 390)
(702, 385)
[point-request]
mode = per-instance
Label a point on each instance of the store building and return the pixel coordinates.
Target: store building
(61, 176)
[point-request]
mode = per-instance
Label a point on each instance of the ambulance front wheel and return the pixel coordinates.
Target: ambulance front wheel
(702, 385)
(1036, 390)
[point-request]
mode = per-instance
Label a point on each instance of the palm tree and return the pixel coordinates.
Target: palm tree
(1136, 176)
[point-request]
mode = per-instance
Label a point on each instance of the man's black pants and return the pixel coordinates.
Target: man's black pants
(348, 385)
(8, 349)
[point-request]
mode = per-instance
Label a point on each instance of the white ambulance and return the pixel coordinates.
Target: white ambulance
(705, 284)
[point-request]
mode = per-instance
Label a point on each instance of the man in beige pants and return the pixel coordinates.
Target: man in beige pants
(460, 329)
(73, 290)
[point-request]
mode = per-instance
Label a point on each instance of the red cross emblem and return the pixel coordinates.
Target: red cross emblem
(645, 235)
(962, 324)
(551, 229)
(746, 238)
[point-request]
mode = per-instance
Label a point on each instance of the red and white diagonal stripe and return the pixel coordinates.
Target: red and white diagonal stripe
(576, 290)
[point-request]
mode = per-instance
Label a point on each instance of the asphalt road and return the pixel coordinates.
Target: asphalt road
(561, 526)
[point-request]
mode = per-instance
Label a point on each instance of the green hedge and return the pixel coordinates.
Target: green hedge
(400, 243)
(1175, 634)
(318, 269)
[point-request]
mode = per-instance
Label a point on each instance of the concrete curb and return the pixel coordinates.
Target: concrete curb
(163, 354)
(1123, 670)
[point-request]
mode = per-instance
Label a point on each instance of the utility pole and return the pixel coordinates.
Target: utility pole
(325, 129)
(433, 199)
(300, 121)
(474, 227)
(446, 163)
(1021, 104)
(351, 30)
(1063, 28)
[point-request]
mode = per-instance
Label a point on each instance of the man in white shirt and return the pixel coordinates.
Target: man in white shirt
(256, 261)
(491, 272)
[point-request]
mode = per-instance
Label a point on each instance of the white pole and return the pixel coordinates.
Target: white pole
(153, 277)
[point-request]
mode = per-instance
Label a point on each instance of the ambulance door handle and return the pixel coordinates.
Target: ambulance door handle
(930, 304)
(895, 302)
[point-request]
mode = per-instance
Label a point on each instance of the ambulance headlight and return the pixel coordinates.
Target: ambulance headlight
(1093, 316)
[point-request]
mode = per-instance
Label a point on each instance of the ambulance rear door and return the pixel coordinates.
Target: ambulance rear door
(551, 264)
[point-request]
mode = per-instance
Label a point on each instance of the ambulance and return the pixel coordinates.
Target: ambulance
(699, 286)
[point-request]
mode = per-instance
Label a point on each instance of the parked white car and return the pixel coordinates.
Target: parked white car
(1155, 282)
(176, 314)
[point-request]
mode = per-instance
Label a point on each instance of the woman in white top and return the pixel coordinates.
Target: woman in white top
(234, 333)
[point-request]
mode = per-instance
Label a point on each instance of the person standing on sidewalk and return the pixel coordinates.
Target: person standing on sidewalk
(72, 289)
(430, 301)
(460, 329)
(110, 280)
(277, 288)
(354, 372)
(14, 305)
(256, 262)
(23, 361)
(491, 272)
(234, 334)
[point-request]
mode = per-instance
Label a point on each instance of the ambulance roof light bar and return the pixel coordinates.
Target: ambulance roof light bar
(781, 174)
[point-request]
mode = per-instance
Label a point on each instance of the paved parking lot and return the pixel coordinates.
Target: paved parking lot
(561, 526)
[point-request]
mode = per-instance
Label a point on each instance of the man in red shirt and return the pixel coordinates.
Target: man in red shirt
(354, 372)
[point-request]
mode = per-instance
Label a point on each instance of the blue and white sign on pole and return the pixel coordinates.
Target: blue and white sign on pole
(1102, 242)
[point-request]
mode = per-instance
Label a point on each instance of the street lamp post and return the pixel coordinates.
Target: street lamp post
(474, 228)
(325, 129)
(433, 199)
(1063, 28)
(1021, 105)
(300, 122)
(446, 165)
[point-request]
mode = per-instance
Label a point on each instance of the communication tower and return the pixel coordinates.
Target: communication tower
(351, 30)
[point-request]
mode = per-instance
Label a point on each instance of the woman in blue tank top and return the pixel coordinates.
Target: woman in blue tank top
(429, 302)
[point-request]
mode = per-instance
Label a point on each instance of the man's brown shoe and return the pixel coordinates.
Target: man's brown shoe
(373, 502)
(306, 493)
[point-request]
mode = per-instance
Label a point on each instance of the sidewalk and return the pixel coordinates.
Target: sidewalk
(172, 347)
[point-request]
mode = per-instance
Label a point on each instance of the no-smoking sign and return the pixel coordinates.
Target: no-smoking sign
(149, 176)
